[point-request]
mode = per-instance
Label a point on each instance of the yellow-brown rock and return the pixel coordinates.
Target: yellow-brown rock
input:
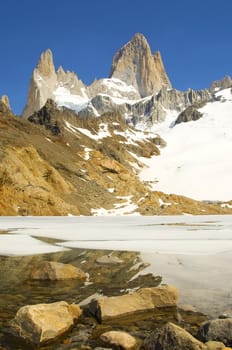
(135, 65)
(145, 299)
(44, 322)
(122, 340)
(53, 271)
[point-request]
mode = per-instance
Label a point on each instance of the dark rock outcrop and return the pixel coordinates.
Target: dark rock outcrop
(218, 329)
(172, 337)
(189, 114)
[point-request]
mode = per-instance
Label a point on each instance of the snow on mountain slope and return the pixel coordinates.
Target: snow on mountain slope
(64, 98)
(197, 160)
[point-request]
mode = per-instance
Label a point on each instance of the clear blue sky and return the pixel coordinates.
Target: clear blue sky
(194, 37)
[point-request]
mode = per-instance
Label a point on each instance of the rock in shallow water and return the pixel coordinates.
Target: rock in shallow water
(54, 271)
(145, 299)
(44, 322)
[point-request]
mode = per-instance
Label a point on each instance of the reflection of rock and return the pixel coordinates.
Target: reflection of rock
(51, 270)
(121, 340)
(218, 329)
(172, 337)
(44, 322)
(143, 300)
(109, 260)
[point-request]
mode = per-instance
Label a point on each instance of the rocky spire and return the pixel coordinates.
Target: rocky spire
(45, 81)
(46, 66)
(135, 65)
(6, 101)
(42, 84)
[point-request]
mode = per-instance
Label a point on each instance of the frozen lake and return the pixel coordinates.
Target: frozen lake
(192, 252)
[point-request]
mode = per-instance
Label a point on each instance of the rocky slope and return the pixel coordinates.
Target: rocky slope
(56, 163)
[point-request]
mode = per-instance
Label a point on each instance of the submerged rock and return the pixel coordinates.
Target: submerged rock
(44, 322)
(53, 271)
(109, 260)
(172, 337)
(145, 299)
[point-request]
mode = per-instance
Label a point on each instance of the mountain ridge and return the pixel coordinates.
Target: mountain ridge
(104, 149)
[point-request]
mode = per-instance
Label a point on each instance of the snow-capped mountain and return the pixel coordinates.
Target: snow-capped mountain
(138, 87)
(126, 144)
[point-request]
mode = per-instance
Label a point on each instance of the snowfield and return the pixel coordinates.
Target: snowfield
(197, 159)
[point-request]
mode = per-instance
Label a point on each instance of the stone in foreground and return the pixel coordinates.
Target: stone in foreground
(44, 322)
(121, 340)
(172, 337)
(215, 345)
(145, 299)
(218, 329)
(54, 271)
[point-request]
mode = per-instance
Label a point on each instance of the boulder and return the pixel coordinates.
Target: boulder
(53, 271)
(218, 329)
(172, 337)
(121, 340)
(145, 299)
(44, 322)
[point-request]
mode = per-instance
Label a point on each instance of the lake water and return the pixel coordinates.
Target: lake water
(192, 252)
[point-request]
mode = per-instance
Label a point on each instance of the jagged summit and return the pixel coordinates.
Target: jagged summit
(46, 84)
(135, 65)
(45, 65)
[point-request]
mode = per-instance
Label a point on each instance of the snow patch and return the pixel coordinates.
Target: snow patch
(64, 98)
(102, 133)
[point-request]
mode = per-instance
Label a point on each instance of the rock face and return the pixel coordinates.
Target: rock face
(44, 322)
(135, 65)
(144, 299)
(218, 329)
(172, 337)
(225, 83)
(45, 83)
(53, 271)
(121, 340)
